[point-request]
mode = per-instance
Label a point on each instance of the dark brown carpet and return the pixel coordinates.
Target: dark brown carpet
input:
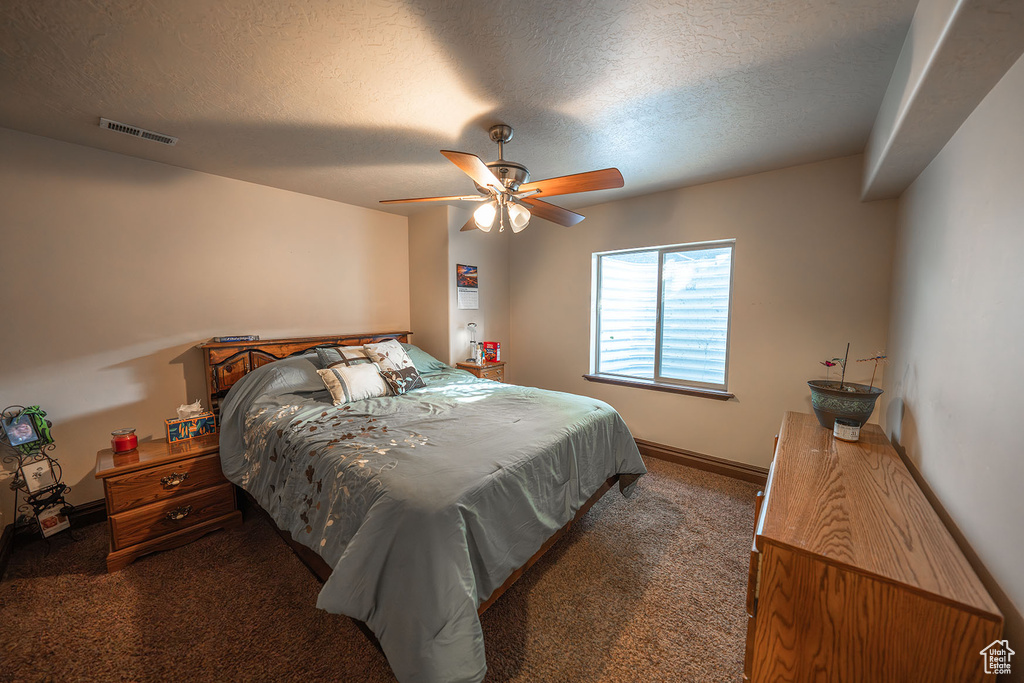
(649, 588)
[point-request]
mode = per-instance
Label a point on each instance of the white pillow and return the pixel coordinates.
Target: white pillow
(390, 355)
(354, 382)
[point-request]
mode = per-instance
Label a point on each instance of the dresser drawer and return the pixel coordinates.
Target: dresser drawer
(167, 516)
(142, 487)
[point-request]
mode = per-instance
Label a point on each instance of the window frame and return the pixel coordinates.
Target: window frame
(659, 381)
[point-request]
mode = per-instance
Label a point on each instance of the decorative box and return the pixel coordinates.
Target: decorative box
(492, 351)
(190, 427)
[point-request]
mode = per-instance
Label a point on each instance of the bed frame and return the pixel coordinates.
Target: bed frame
(228, 362)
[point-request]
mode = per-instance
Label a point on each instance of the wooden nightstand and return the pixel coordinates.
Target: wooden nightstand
(489, 369)
(162, 496)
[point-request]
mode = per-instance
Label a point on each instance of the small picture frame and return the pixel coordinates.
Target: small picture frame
(38, 475)
(52, 520)
(19, 429)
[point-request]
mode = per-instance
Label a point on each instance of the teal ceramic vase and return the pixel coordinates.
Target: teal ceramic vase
(853, 401)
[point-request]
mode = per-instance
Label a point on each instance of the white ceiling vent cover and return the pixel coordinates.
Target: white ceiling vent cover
(137, 132)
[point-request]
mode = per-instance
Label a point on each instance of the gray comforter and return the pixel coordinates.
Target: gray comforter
(425, 503)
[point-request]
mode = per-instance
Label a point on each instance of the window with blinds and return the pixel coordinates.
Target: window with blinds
(662, 314)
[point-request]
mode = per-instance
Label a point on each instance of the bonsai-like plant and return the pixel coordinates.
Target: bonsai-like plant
(841, 362)
(829, 364)
(852, 401)
(879, 359)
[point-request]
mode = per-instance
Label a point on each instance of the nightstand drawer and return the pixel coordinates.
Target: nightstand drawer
(159, 483)
(493, 370)
(168, 516)
(497, 374)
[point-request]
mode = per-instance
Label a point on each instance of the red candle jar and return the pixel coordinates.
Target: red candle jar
(123, 440)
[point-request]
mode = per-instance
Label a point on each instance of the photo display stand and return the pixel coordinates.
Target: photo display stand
(27, 446)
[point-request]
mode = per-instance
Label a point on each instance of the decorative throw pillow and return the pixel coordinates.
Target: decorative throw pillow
(342, 355)
(353, 383)
(390, 356)
(400, 381)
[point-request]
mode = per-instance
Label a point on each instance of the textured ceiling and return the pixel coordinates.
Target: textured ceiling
(353, 100)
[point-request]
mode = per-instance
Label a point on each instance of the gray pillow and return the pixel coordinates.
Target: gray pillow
(294, 375)
(423, 361)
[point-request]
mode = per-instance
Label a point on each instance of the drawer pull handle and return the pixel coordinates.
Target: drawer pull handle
(174, 479)
(179, 513)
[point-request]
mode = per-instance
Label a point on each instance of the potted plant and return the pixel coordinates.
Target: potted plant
(844, 399)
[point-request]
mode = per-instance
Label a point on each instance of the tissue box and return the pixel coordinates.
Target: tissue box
(190, 427)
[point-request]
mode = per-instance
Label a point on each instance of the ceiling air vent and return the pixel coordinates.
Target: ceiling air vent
(137, 132)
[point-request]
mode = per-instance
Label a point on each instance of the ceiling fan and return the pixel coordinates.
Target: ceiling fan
(507, 193)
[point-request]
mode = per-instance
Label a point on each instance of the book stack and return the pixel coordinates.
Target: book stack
(237, 338)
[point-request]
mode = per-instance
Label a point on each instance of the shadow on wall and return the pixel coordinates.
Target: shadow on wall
(903, 432)
(147, 373)
(902, 429)
(899, 420)
(193, 370)
(84, 487)
(147, 396)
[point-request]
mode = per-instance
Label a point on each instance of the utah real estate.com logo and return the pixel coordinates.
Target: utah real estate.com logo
(997, 657)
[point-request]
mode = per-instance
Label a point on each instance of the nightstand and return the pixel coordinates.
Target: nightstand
(162, 496)
(489, 369)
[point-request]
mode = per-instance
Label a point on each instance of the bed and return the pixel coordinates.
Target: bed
(422, 508)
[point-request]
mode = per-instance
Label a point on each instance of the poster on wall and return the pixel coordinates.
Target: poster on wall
(469, 290)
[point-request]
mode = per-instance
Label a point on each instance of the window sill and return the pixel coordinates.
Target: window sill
(660, 386)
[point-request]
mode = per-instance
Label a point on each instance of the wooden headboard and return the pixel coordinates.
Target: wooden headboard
(228, 362)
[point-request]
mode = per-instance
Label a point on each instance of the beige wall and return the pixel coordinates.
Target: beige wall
(437, 245)
(812, 266)
(428, 281)
(115, 267)
(953, 392)
(488, 251)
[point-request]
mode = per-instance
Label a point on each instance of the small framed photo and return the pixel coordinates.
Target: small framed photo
(19, 429)
(38, 475)
(51, 520)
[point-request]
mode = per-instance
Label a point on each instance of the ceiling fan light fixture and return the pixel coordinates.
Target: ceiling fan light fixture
(519, 216)
(484, 216)
(505, 186)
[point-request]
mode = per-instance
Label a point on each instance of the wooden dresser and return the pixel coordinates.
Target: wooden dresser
(489, 369)
(162, 495)
(853, 577)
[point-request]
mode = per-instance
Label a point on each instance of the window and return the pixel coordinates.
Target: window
(661, 315)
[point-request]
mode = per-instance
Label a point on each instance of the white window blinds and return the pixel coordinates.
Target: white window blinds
(663, 313)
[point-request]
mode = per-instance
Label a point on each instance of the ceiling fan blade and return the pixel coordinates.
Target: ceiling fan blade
(605, 179)
(555, 214)
(466, 198)
(471, 165)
